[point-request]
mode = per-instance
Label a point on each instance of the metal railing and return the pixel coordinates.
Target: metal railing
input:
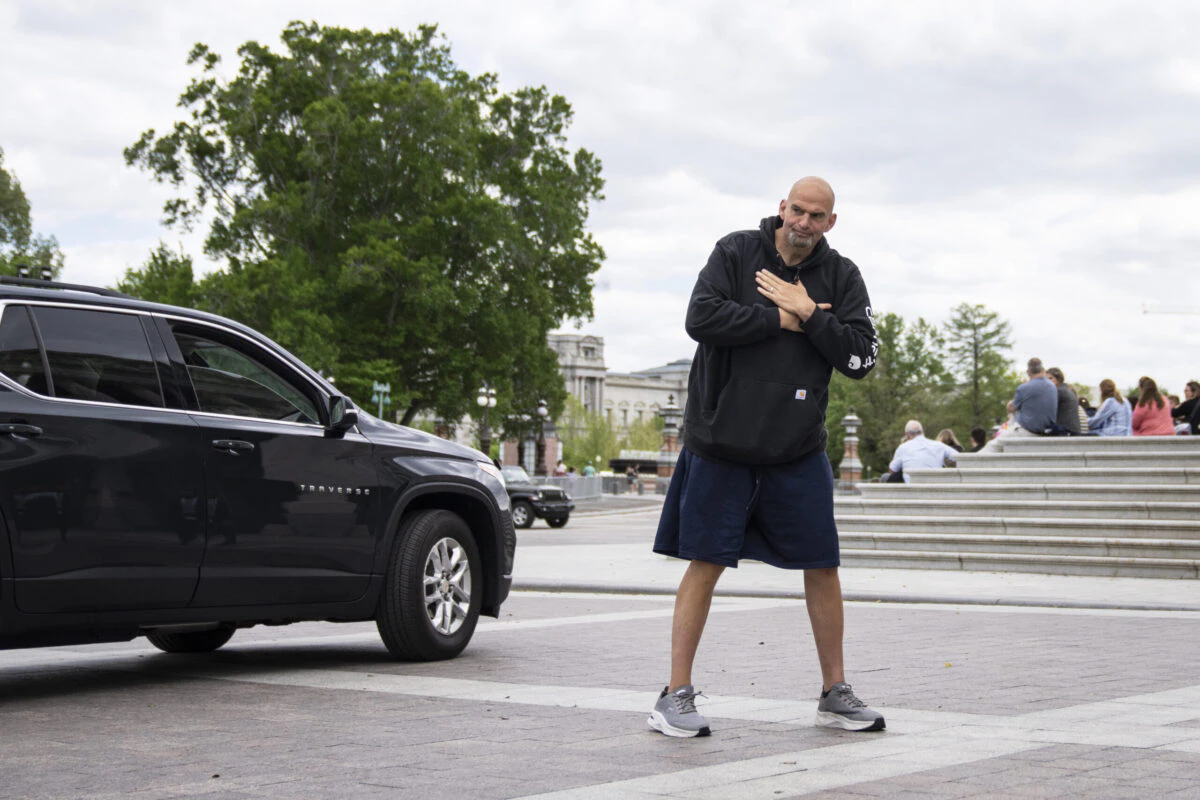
(579, 487)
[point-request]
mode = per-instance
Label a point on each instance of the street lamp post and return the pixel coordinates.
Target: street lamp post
(382, 395)
(486, 400)
(542, 411)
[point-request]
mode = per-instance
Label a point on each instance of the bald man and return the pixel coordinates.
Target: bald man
(775, 311)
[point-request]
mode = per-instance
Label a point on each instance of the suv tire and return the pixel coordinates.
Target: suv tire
(522, 514)
(434, 569)
(557, 522)
(192, 641)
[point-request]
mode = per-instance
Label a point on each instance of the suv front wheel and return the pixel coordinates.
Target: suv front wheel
(430, 603)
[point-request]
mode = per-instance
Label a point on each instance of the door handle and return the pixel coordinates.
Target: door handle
(19, 429)
(233, 446)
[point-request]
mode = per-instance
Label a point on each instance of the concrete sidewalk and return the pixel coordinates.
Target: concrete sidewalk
(630, 567)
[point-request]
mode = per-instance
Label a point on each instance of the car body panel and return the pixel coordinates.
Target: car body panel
(102, 507)
(271, 529)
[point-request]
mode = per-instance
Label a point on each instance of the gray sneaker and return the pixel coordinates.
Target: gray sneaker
(839, 708)
(675, 714)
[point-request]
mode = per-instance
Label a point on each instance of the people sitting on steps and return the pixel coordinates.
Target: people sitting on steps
(918, 452)
(1034, 405)
(1069, 419)
(947, 437)
(1152, 416)
(1114, 417)
(1187, 413)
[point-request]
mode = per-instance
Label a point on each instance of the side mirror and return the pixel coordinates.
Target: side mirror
(342, 415)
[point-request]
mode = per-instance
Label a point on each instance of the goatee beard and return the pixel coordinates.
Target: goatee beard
(799, 240)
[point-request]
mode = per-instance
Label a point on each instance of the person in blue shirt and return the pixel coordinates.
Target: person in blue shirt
(1114, 417)
(919, 452)
(1035, 403)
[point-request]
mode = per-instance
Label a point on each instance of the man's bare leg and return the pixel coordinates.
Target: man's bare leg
(692, 602)
(823, 596)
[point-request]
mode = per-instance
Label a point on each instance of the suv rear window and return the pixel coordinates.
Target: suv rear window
(99, 356)
(20, 356)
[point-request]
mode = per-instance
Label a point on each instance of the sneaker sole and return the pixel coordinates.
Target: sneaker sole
(659, 723)
(827, 719)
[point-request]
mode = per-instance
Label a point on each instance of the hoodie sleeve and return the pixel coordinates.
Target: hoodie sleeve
(845, 335)
(715, 318)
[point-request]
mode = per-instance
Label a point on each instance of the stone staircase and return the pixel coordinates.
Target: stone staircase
(1115, 506)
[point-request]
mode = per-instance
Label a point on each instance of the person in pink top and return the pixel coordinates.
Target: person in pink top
(1152, 417)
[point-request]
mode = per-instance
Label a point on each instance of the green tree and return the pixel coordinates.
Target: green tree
(387, 215)
(643, 434)
(166, 277)
(19, 245)
(586, 435)
(977, 341)
(910, 381)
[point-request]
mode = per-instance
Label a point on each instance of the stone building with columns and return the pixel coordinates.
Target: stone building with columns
(624, 397)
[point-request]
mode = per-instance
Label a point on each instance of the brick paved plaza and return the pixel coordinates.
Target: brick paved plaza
(551, 700)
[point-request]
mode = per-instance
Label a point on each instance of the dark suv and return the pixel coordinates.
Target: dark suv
(530, 499)
(173, 474)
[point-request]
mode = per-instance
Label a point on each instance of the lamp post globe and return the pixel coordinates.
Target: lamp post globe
(486, 400)
(542, 412)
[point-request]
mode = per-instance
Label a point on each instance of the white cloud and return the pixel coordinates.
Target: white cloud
(1036, 157)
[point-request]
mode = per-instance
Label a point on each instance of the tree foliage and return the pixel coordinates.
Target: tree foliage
(19, 245)
(977, 342)
(166, 277)
(588, 437)
(386, 215)
(909, 381)
(923, 373)
(643, 434)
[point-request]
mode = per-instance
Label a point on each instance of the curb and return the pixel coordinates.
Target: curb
(608, 508)
(851, 597)
(616, 512)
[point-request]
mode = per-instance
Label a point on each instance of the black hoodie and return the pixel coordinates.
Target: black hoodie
(757, 393)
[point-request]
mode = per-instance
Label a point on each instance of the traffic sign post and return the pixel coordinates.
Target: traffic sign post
(382, 396)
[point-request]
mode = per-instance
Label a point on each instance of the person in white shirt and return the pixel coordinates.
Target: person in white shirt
(918, 452)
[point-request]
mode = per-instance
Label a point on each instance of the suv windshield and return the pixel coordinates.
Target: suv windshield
(515, 474)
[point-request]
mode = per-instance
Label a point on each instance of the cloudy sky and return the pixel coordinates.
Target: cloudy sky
(1039, 158)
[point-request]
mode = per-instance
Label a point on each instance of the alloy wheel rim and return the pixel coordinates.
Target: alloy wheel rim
(520, 515)
(447, 586)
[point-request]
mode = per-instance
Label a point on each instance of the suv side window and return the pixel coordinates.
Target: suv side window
(229, 380)
(20, 356)
(102, 356)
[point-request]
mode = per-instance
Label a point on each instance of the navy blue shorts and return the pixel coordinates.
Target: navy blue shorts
(720, 512)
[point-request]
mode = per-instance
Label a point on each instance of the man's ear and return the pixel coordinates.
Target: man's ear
(782, 206)
(832, 222)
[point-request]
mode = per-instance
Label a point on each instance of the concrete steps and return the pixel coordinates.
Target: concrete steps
(1044, 564)
(1096, 444)
(1009, 492)
(1105, 459)
(975, 506)
(1127, 506)
(1027, 545)
(1073, 475)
